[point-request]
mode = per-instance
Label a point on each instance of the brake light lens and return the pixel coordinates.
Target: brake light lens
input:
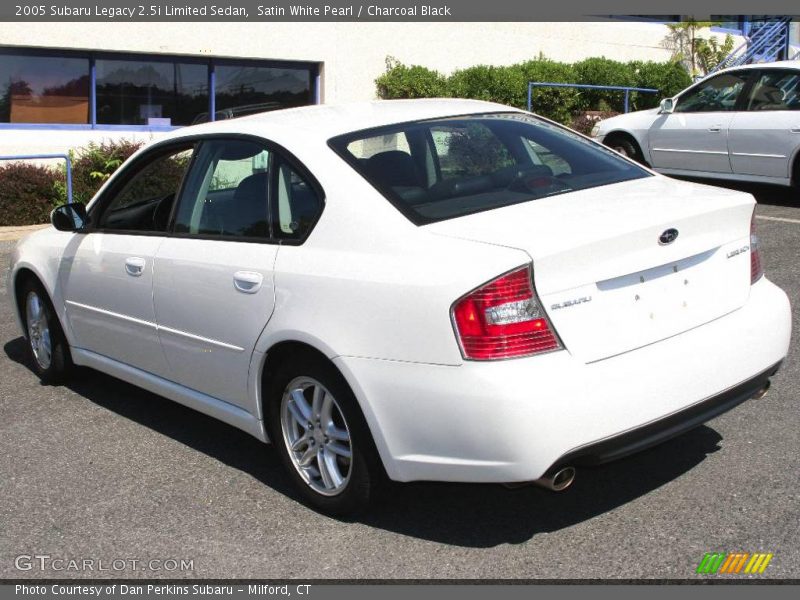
(756, 269)
(503, 319)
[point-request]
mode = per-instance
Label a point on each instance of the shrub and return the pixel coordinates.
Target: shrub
(483, 82)
(584, 122)
(95, 163)
(604, 71)
(28, 192)
(554, 103)
(401, 81)
(509, 84)
(668, 78)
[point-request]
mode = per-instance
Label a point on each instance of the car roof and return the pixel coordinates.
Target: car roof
(781, 64)
(324, 121)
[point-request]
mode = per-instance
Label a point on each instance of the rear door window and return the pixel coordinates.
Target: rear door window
(775, 90)
(296, 205)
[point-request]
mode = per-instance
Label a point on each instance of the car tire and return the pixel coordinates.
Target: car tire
(625, 146)
(47, 345)
(315, 452)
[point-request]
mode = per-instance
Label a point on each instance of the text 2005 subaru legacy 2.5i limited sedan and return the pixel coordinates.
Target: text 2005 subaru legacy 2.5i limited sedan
(425, 290)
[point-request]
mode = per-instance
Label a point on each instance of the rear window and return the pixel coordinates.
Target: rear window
(446, 168)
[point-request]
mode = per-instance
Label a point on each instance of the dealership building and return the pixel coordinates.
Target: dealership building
(63, 85)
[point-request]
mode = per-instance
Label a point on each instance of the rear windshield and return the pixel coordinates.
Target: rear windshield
(445, 168)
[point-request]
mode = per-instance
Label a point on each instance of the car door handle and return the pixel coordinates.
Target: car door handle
(795, 130)
(715, 128)
(134, 266)
(247, 282)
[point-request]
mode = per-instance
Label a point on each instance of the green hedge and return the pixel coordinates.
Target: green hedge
(410, 82)
(94, 163)
(509, 84)
(29, 191)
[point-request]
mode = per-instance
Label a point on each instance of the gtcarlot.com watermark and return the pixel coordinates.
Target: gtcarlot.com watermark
(45, 562)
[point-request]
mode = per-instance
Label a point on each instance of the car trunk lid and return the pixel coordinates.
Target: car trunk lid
(606, 282)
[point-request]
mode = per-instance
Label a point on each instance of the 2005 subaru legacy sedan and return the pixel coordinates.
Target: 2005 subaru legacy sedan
(421, 290)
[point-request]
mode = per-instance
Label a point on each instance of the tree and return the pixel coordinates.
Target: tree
(19, 87)
(699, 54)
(710, 53)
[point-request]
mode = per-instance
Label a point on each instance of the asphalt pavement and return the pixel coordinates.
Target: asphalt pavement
(100, 470)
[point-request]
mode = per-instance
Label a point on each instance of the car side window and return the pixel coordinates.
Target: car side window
(775, 90)
(716, 94)
(145, 201)
(226, 191)
(297, 204)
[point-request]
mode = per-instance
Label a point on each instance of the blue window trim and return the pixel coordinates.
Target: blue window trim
(212, 91)
(211, 63)
(93, 92)
(88, 127)
(655, 20)
(716, 29)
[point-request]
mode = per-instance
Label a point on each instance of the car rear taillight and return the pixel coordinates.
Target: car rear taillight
(756, 270)
(503, 319)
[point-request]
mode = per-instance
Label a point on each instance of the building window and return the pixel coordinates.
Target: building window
(97, 89)
(150, 93)
(244, 87)
(44, 89)
(727, 23)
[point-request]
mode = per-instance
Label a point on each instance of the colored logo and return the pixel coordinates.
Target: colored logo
(733, 562)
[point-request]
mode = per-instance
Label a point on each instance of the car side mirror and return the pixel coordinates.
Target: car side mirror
(667, 106)
(69, 217)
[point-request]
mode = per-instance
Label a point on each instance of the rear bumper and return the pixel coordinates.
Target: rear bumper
(668, 427)
(511, 421)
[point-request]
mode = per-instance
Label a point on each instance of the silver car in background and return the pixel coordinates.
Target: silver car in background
(741, 124)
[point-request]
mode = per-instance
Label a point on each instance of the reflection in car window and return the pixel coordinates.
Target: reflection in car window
(145, 202)
(370, 147)
(226, 191)
(717, 94)
(543, 156)
(460, 165)
(776, 90)
(469, 149)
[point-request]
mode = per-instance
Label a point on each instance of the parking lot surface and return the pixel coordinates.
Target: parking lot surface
(102, 470)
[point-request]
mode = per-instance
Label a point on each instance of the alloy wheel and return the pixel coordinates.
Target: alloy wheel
(316, 435)
(38, 330)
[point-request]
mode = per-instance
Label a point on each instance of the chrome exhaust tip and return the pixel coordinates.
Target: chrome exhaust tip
(762, 392)
(557, 480)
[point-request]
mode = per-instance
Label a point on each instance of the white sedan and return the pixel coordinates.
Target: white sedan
(741, 124)
(420, 290)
